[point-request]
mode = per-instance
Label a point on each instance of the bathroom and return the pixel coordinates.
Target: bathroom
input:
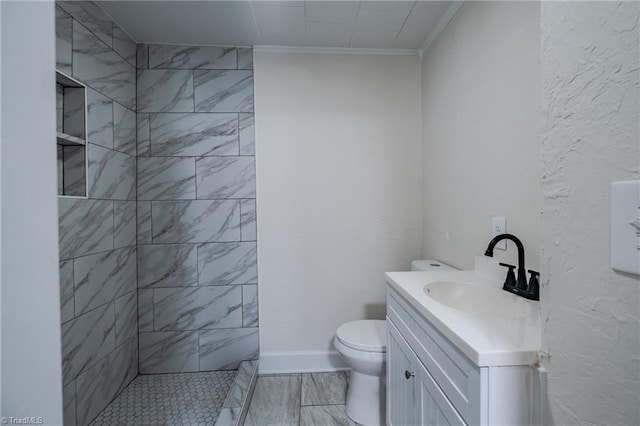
(364, 161)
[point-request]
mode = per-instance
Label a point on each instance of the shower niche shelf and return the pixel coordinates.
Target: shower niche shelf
(71, 136)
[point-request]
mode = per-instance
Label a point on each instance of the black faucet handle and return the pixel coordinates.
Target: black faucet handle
(510, 281)
(533, 289)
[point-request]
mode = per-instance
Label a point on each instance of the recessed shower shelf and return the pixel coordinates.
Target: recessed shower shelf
(71, 136)
(69, 140)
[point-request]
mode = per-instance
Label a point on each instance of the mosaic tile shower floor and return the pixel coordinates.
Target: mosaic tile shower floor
(193, 399)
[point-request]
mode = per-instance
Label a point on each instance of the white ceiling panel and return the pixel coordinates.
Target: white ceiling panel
(316, 23)
(284, 3)
(280, 25)
(343, 12)
(424, 17)
(322, 34)
(399, 5)
(186, 22)
(378, 28)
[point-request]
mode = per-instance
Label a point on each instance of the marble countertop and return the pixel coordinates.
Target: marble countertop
(486, 340)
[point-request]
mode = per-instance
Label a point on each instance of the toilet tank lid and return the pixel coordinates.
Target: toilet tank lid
(364, 335)
(430, 265)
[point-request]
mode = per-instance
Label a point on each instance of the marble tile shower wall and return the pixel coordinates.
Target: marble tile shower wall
(97, 235)
(197, 265)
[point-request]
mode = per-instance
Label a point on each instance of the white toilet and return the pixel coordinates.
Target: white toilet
(363, 345)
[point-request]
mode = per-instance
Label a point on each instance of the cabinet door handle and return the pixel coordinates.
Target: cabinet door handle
(408, 374)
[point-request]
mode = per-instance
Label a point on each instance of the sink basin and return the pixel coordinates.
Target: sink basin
(477, 300)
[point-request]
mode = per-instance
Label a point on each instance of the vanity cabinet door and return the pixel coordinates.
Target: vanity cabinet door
(434, 407)
(401, 378)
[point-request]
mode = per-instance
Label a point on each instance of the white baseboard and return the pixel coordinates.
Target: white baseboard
(301, 362)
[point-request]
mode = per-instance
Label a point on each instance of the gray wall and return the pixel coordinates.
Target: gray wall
(30, 337)
(197, 262)
(97, 235)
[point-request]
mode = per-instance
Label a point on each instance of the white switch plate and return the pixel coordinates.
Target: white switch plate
(625, 238)
(499, 226)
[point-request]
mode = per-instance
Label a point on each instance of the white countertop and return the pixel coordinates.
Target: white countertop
(485, 340)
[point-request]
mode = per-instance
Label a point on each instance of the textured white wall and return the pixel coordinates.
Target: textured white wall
(480, 130)
(338, 186)
(590, 138)
(31, 366)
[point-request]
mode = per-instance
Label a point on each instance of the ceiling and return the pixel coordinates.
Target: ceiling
(341, 24)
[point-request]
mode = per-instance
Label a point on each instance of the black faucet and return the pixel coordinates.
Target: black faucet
(518, 286)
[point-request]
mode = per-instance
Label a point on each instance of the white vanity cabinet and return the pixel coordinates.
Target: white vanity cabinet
(431, 382)
(413, 397)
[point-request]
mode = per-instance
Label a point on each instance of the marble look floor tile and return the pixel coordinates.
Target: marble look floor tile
(169, 399)
(324, 388)
(167, 265)
(250, 305)
(168, 352)
(102, 382)
(124, 45)
(91, 16)
(124, 129)
(142, 53)
(247, 134)
(143, 136)
(59, 107)
(98, 66)
(126, 317)
(223, 91)
(143, 228)
(64, 36)
(241, 384)
(276, 401)
(226, 349)
(60, 167)
(69, 404)
(67, 311)
(74, 172)
(98, 278)
(325, 415)
(245, 58)
(227, 263)
(229, 416)
(124, 222)
(111, 174)
(85, 226)
(196, 308)
(73, 122)
(248, 229)
(166, 178)
(86, 339)
(145, 310)
(194, 134)
(225, 177)
(165, 91)
(195, 221)
(99, 119)
(191, 57)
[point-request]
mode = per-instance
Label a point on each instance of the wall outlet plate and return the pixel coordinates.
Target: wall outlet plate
(499, 226)
(625, 236)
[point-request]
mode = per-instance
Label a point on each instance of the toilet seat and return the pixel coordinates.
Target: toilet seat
(364, 335)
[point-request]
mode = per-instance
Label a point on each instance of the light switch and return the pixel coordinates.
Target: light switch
(625, 226)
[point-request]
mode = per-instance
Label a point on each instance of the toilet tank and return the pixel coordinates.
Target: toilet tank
(430, 265)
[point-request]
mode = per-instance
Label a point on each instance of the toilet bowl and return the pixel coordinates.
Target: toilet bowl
(363, 345)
